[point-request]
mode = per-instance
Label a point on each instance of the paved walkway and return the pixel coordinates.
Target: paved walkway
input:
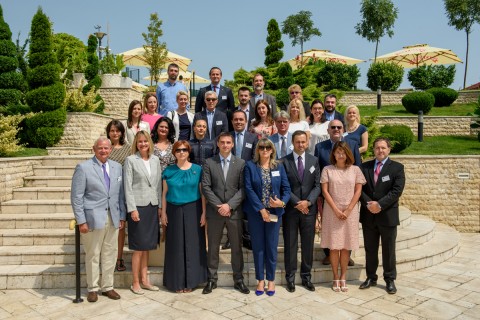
(450, 290)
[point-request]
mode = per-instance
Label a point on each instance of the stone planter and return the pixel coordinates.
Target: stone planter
(79, 80)
(115, 81)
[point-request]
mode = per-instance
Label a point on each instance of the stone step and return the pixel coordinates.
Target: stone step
(36, 206)
(41, 193)
(53, 170)
(48, 181)
(35, 221)
(36, 237)
(64, 160)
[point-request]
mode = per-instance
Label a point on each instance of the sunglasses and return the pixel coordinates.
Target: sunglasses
(336, 127)
(295, 92)
(211, 99)
(264, 148)
(181, 150)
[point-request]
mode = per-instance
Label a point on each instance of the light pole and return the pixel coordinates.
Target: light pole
(99, 36)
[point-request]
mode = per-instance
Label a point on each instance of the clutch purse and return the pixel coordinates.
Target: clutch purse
(273, 217)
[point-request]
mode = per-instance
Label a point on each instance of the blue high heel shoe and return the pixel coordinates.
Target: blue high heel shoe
(260, 292)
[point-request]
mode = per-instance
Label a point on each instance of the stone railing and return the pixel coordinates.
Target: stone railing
(433, 126)
(117, 100)
(12, 172)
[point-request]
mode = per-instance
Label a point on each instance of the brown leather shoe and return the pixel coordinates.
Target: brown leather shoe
(111, 294)
(92, 296)
(326, 261)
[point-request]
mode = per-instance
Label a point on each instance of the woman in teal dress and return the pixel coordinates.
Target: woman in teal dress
(183, 215)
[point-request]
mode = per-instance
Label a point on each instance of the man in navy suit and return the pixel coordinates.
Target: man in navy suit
(379, 213)
(323, 150)
(282, 140)
(245, 105)
(217, 121)
(226, 101)
(330, 104)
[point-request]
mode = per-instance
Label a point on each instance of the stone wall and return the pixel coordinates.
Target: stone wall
(444, 188)
(433, 126)
(12, 172)
(117, 100)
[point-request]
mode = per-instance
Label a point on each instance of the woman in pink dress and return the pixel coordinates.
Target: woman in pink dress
(150, 114)
(341, 187)
(263, 125)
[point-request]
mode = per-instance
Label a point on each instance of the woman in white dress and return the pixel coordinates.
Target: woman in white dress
(297, 117)
(318, 125)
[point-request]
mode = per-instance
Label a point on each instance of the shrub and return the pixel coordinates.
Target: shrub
(444, 97)
(75, 101)
(426, 77)
(282, 98)
(386, 75)
(401, 136)
(9, 143)
(373, 133)
(416, 101)
(336, 75)
(285, 75)
(45, 129)
(46, 98)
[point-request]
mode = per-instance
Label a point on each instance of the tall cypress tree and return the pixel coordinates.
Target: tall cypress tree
(273, 51)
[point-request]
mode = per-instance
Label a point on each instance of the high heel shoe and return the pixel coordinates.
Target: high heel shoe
(260, 292)
(335, 286)
(271, 292)
(343, 285)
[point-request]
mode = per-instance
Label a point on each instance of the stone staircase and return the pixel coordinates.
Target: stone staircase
(37, 248)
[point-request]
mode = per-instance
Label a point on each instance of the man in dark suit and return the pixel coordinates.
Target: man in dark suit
(303, 174)
(379, 213)
(245, 106)
(245, 142)
(330, 104)
(282, 140)
(217, 121)
(226, 101)
(259, 94)
(322, 151)
(222, 185)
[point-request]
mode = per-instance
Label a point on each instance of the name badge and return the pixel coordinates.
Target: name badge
(275, 173)
(119, 179)
(312, 168)
(291, 147)
(219, 123)
(385, 178)
(248, 145)
(224, 97)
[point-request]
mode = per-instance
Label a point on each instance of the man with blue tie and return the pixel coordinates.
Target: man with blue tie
(282, 139)
(98, 204)
(226, 101)
(217, 121)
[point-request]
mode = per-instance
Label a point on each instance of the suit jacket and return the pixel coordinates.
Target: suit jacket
(90, 198)
(253, 188)
(250, 116)
(202, 150)
(386, 192)
(272, 103)
(226, 101)
(173, 115)
(220, 122)
(250, 141)
(306, 189)
(275, 138)
(324, 148)
(142, 189)
(339, 116)
(217, 190)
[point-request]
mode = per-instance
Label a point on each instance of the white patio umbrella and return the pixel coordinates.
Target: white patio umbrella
(325, 55)
(135, 57)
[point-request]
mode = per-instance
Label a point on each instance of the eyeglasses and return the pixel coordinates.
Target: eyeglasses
(281, 121)
(336, 127)
(295, 92)
(211, 99)
(181, 150)
(263, 148)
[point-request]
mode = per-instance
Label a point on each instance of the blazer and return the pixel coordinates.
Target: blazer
(220, 122)
(226, 101)
(275, 138)
(253, 188)
(140, 188)
(217, 190)
(90, 198)
(338, 116)
(386, 192)
(306, 189)
(324, 148)
(250, 141)
(173, 115)
(130, 135)
(272, 103)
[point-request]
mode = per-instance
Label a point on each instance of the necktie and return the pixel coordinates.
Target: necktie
(105, 176)
(225, 168)
(238, 147)
(300, 168)
(377, 172)
(215, 89)
(283, 148)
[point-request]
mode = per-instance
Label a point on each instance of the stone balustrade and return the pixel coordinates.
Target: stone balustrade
(12, 172)
(432, 125)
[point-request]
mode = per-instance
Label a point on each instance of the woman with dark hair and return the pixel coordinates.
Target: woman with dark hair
(134, 121)
(163, 136)
(184, 215)
(263, 125)
(318, 125)
(267, 190)
(341, 187)
(150, 107)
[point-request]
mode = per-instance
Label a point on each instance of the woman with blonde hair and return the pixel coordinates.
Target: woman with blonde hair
(181, 118)
(354, 130)
(297, 117)
(150, 107)
(263, 125)
(134, 121)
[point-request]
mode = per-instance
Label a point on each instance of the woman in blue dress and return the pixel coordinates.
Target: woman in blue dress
(184, 216)
(354, 130)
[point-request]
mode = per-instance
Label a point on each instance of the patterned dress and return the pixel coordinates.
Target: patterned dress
(119, 154)
(166, 157)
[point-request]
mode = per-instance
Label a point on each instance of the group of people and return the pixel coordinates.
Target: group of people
(250, 169)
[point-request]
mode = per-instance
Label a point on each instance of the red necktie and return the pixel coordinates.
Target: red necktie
(377, 172)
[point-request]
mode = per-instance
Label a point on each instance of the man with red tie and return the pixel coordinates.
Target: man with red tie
(226, 101)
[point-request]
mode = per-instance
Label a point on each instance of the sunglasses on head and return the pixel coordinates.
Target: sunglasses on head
(264, 148)
(211, 99)
(181, 150)
(336, 127)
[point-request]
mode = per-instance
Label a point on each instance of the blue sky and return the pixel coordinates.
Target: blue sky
(231, 34)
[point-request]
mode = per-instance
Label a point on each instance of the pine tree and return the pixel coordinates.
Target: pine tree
(273, 51)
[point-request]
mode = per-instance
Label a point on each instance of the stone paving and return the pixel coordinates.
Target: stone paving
(450, 290)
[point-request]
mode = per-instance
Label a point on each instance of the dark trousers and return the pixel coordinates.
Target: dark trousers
(372, 235)
(292, 224)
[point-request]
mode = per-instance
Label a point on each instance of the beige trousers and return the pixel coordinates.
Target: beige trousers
(100, 246)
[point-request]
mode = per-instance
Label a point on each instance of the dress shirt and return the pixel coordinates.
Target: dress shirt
(376, 163)
(295, 156)
(247, 112)
(210, 115)
(107, 166)
(167, 96)
(329, 116)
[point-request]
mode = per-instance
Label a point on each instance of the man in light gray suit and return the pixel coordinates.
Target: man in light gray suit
(282, 139)
(222, 184)
(98, 204)
(259, 94)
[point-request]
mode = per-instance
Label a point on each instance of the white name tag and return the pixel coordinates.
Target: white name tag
(248, 145)
(219, 123)
(386, 178)
(275, 173)
(224, 97)
(312, 168)
(291, 147)
(119, 179)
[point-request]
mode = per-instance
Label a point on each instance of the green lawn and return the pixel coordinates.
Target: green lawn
(399, 110)
(454, 145)
(30, 152)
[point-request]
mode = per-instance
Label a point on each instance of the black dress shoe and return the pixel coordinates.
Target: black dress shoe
(290, 286)
(240, 286)
(226, 245)
(308, 285)
(351, 263)
(209, 287)
(391, 289)
(368, 283)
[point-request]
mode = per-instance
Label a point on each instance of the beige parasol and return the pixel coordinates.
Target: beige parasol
(420, 54)
(325, 55)
(135, 57)
(187, 77)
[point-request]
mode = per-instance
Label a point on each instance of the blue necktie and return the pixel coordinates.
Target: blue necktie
(106, 177)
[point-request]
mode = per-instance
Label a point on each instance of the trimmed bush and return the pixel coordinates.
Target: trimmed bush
(12, 80)
(416, 101)
(46, 98)
(45, 129)
(401, 136)
(9, 95)
(282, 98)
(336, 75)
(386, 75)
(426, 77)
(7, 48)
(285, 75)
(444, 97)
(43, 75)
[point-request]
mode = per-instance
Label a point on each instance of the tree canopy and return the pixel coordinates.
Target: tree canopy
(273, 51)
(299, 27)
(155, 51)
